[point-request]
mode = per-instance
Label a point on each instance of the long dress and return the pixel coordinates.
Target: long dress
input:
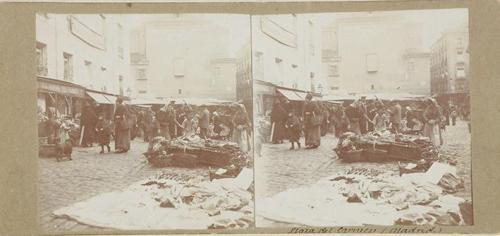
(431, 126)
(312, 131)
(240, 135)
(278, 118)
(122, 128)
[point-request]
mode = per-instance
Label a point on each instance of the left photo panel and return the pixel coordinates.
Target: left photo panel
(144, 122)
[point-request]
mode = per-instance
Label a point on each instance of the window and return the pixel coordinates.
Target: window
(279, 68)
(311, 38)
(333, 71)
(459, 43)
(179, 91)
(372, 87)
(259, 65)
(179, 67)
(120, 84)
(371, 63)
(141, 74)
(411, 66)
(120, 41)
(142, 91)
(88, 74)
(68, 66)
(41, 59)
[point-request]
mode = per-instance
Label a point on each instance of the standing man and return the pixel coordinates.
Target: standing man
(88, 123)
(163, 122)
(363, 121)
(395, 117)
(204, 123)
(278, 119)
(148, 125)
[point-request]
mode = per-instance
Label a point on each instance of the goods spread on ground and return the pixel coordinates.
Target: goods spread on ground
(363, 196)
(385, 146)
(193, 151)
(167, 202)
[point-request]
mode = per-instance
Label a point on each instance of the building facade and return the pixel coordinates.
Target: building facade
(450, 64)
(244, 87)
(85, 52)
(359, 58)
(168, 60)
(286, 53)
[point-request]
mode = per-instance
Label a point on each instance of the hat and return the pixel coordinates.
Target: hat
(119, 99)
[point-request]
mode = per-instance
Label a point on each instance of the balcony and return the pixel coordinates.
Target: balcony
(42, 70)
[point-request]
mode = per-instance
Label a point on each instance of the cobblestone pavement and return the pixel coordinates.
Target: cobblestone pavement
(280, 169)
(88, 174)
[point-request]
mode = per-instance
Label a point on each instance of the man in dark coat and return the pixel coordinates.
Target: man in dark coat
(122, 127)
(88, 122)
(278, 119)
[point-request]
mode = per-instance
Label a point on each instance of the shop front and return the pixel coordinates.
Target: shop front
(65, 97)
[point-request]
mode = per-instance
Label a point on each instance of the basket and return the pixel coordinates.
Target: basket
(352, 156)
(405, 152)
(376, 155)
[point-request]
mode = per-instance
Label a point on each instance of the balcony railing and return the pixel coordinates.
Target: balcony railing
(42, 70)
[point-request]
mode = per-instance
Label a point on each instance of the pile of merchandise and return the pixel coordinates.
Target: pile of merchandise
(369, 197)
(194, 151)
(166, 202)
(385, 146)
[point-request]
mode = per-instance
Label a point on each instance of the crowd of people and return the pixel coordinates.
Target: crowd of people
(126, 122)
(315, 118)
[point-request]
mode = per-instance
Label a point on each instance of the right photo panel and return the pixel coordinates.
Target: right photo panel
(362, 118)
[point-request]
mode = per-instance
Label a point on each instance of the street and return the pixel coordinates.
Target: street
(88, 174)
(280, 169)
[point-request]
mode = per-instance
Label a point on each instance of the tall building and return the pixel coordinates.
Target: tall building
(286, 53)
(170, 61)
(450, 65)
(78, 55)
(371, 53)
(244, 88)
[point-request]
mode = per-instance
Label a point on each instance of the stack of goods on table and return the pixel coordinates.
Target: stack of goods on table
(194, 151)
(385, 146)
(363, 196)
(166, 202)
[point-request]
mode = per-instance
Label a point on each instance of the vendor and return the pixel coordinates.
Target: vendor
(432, 118)
(354, 115)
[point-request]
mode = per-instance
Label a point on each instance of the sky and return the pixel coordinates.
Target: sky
(434, 21)
(237, 25)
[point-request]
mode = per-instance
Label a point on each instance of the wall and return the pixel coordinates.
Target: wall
(384, 38)
(287, 38)
(54, 31)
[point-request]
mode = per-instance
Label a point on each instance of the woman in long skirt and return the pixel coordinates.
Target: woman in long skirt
(432, 116)
(240, 135)
(312, 123)
(122, 128)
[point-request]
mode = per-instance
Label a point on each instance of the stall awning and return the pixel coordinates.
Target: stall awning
(99, 98)
(111, 98)
(292, 95)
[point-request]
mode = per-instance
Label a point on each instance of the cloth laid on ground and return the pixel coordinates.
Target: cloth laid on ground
(364, 197)
(161, 202)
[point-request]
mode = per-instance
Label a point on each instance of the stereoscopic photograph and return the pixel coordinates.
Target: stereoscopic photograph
(144, 122)
(362, 119)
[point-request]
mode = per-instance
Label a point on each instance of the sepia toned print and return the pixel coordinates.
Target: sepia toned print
(143, 122)
(362, 119)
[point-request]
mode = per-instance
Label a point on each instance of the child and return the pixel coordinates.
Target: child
(293, 127)
(103, 129)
